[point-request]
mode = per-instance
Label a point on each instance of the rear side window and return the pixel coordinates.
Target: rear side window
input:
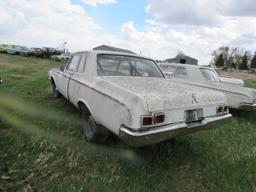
(74, 63)
(181, 72)
(209, 75)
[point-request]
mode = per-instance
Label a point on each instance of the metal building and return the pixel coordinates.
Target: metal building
(184, 59)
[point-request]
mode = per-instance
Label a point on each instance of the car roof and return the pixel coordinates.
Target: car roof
(114, 53)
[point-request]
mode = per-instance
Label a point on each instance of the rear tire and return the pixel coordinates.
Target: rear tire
(91, 130)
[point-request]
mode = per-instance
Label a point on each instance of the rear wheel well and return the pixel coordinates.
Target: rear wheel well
(83, 109)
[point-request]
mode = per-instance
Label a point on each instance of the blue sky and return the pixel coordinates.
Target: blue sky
(112, 16)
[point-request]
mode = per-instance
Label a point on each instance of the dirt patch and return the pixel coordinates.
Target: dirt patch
(239, 75)
(7, 65)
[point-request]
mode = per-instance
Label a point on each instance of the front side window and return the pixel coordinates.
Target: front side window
(209, 75)
(74, 62)
(118, 65)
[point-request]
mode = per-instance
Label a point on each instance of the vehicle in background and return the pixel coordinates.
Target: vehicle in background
(62, 57)
(47, 52)
(6, 48)
(17, 50)
(239, 97)
(128, 95)
(252, 70)
(30, 52)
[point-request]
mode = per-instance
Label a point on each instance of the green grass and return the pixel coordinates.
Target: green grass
(41, 147)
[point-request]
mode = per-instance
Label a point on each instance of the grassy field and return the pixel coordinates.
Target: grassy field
(41, 148)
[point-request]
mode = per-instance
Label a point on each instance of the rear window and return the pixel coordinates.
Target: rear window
(167, 68)
(119, 65)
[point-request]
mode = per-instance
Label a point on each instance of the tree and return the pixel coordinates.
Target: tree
(245, 61)
(219, 61)
(253, 62)
(231, 57)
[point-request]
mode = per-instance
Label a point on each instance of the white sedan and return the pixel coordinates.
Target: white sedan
(127, 95)
(239, 97)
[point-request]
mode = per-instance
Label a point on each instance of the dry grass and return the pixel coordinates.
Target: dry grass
(239, 75)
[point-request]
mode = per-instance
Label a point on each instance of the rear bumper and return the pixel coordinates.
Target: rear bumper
(248, 107)
(137, 138)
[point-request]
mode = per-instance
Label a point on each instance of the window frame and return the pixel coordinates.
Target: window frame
(79, 60)
(213, 71)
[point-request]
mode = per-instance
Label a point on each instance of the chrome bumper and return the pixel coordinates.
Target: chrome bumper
(137, 138)
(248, 107)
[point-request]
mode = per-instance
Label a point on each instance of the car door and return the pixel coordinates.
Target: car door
(64, 80)
(75, 84)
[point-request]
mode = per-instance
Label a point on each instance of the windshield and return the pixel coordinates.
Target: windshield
(209, 75)
(118, 65)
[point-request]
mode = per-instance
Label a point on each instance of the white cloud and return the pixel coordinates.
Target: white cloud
(198, 27)
(43, 23)
(199, 12)
(198, 42)
(94, 3)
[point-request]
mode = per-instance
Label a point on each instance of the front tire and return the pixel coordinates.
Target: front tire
(92, 131)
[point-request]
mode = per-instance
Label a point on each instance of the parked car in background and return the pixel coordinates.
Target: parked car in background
(252, 70)
(47, 52)
(239, 97)
(30, 52)
(61, 57)
(6, 48)
(128, 95)
(17, 50)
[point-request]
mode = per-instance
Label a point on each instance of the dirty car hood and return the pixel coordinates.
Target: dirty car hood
(162, 94)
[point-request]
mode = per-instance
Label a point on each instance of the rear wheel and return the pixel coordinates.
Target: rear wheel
(91, 130)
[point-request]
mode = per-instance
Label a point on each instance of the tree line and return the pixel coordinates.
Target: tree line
(237, 58)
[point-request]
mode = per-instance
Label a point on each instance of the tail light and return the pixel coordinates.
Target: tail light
(159, 118)
(222, 109)
(146, 121)
(219, 110)
(154, 119)
(226, 109)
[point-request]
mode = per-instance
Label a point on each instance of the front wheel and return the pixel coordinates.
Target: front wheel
(92, 131)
